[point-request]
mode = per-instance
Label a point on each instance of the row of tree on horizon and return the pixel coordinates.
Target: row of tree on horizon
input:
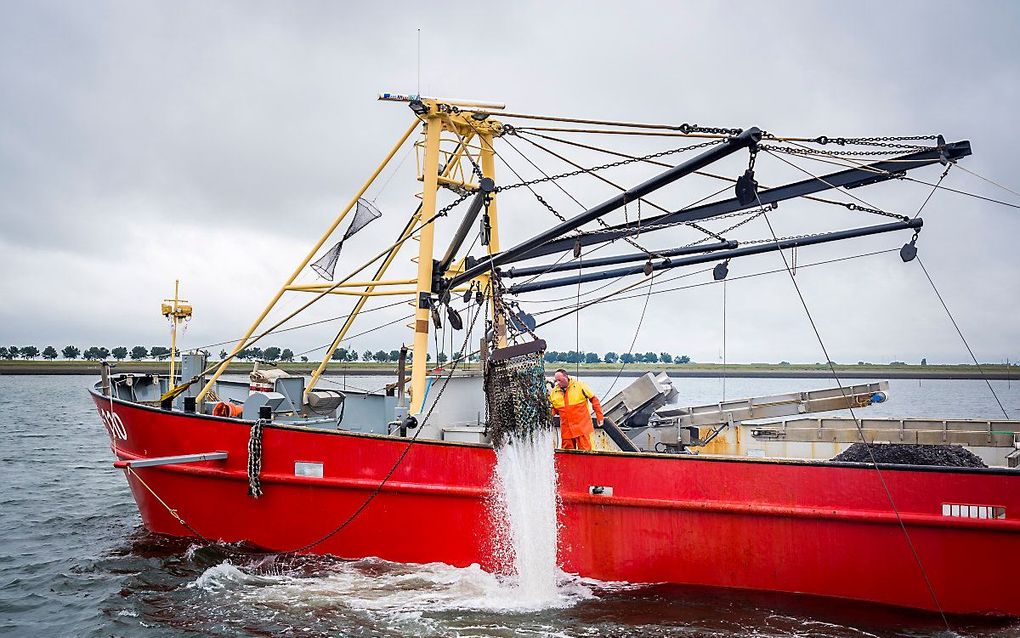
(274, 353)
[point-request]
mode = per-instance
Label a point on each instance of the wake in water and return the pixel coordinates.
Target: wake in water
(377, 586)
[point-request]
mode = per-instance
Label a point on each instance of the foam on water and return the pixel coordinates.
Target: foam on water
(375, 585)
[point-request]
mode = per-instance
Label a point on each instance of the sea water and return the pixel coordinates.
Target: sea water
(76, 561)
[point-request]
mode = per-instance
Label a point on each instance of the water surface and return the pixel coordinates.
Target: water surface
(75, 561)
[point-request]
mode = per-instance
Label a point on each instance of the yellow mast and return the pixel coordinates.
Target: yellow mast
(176, 310)
(488, 162)
(430, 177)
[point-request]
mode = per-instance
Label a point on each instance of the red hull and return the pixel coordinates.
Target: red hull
(779, 526)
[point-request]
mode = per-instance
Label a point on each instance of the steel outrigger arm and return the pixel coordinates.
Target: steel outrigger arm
(851, 178)
(524, 250)
(722, 255)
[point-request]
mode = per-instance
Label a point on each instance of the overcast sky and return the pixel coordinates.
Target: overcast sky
(212, 142)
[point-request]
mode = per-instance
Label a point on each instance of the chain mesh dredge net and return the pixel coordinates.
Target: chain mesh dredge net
(516, 396)
(365, 213)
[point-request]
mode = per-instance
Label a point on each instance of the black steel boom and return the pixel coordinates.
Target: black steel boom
(665, 264)
(744, 140)
(850, 178)
(598, 262)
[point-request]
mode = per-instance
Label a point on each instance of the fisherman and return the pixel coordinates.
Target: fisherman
(569, 399)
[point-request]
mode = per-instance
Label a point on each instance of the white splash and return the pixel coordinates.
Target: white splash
(524, 516)
(393, 590)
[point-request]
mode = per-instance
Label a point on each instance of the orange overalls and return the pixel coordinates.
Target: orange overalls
(572, 407)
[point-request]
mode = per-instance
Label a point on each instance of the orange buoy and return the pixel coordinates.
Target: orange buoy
(231, 410)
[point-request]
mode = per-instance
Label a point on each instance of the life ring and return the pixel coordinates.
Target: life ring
(230, 410)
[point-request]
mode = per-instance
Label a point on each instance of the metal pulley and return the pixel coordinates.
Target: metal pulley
(909, 250)
(485, 228)
(454, 318)
(747, 188)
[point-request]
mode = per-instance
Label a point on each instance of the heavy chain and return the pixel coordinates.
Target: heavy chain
(446, 209)
(875, 211)
(583, 171)
(687, 129)
(602, 167)
(541, 200)
(255, 459)
(753, 212)
(890, 142)
(817, 151)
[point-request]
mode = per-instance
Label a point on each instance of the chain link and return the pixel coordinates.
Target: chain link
(817, 151)
(687, 129)
(602, 167)
(890, 142)
(875, 211)
(583, 171)
(446, 209)
(772, 240)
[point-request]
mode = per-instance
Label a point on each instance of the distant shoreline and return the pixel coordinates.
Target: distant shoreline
(698, 370)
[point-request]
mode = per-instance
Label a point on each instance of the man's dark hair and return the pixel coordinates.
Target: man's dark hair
(563, 371)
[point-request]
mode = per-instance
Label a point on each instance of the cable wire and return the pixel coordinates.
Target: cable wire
(962, 338)
(860, 428)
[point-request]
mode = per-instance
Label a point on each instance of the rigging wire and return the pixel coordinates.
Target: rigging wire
(407, 153)
(839, 189)
(591, 131)
(637, 330)
(990, 181)
(962, 338)
(616, 186)
(305, 325)
(860, 428)
(612, 298)
(752, 213)
(360, 334)
(556, 183)
(253, 340)
(684, 129)
(933, 189)
(850, 163)
(724, 339)
(731, 180)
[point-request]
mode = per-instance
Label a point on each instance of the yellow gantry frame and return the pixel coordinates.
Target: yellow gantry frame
(311, 253)
(370, 287)
(436, 122)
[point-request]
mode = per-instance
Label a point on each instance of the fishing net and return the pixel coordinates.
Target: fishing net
(516, 396)
(364, 214)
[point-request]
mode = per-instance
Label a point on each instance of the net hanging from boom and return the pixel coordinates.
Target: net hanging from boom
(515, 392)
(364, 214)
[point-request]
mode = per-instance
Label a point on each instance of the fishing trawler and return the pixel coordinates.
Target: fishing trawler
(278, 462)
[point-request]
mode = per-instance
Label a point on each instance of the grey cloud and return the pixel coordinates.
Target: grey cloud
(241, 128)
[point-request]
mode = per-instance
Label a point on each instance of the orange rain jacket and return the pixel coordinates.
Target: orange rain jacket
(572, 407)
